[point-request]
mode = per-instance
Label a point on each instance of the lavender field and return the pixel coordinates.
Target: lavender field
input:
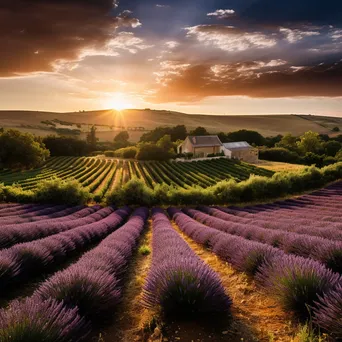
(79, 273)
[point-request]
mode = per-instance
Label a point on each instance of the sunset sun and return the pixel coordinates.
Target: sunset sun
(118, 102)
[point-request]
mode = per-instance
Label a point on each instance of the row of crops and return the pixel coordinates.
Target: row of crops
(101, 176)
(292, 249)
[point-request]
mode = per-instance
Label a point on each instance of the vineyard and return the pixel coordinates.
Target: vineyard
(101, 176)
(76, 273)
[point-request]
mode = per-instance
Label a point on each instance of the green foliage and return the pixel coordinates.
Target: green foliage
(144, 250)
(66, 146)
(336, 129)
(311, 158)
(288, 141)
(310, 142)
(91, 137)
(177, 133)
(279, 154)
(272, 141)
(256, 188)
(252, 137)
(134, 192)
(165, 143)
(126, 152)
(339, 155)
(21, 150)
(150, 151)
(199, 131)
(58, 191)
(332, 147)
(308, 334)
(122, 136)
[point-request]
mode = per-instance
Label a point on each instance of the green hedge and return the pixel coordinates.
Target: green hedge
(256, 188)
(54, 191)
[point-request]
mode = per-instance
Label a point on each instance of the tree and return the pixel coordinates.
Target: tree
(336, 129)
(272, 141)
(310, 142)
(332, 147)
(21, 150)
(178, 133)
(122, 137)
(66, 146)
(165, 143)
(91, 137)
(252, 137)
(288, 141)
(199, 131)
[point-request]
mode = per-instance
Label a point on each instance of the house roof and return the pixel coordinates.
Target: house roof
(205, 140)
(237, 145)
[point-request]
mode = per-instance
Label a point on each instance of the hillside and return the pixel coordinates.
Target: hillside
(139, 121)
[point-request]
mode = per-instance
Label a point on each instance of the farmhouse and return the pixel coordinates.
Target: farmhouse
(241, 150)
(201, 146)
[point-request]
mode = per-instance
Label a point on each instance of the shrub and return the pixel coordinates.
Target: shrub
(126, 152)
(144, 250)
(279, 154)
(57, 191)
(150, 151)
(34, 320)
(296, 282)
(15, 193)
(134, 192)
(328, 312)
(21, 150)
(109, 153)
(93, 293)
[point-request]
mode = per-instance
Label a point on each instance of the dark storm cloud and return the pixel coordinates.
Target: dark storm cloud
(268, 79)
(35, 33)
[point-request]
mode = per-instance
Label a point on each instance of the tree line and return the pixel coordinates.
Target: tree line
(23, 150)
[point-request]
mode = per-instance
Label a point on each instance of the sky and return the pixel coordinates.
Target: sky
(193, 56)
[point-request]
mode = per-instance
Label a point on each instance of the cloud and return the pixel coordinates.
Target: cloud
(162, 6)
(295, 35)
(172, 44)
(222, 14)
(230, 38)
(35, 34)
(184, 82)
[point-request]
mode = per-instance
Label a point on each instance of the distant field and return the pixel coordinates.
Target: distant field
(267, 125)
(101, 176)
(278, 166)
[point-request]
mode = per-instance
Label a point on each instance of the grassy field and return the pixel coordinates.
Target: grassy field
(267, 125)
(279, 166)
(102, 175)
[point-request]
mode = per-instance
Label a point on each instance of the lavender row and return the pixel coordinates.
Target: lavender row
(332, 232)
(328, 231)
(45, 215)
(301, 285)
(13, 234)
(315, 214)
(326, 251)
(25, 260)
(64, 306)
(179, 282)
(25, 211)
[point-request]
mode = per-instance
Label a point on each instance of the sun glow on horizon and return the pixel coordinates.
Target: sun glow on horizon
(118, 101)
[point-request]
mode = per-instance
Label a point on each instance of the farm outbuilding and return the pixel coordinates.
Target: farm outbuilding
(201, 146)
(241, 150)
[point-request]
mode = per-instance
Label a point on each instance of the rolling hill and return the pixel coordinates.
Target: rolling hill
(138, 121)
